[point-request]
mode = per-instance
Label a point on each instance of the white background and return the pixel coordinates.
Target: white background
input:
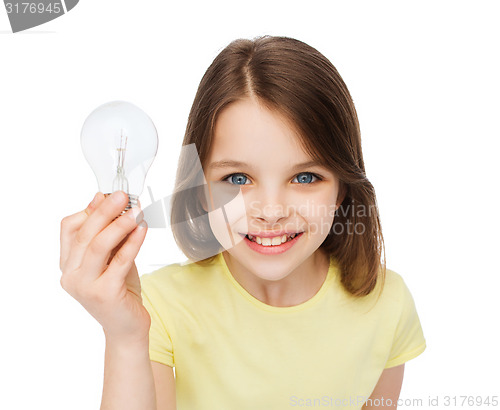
(424, 79)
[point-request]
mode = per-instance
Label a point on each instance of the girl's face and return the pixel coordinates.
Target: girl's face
(256, 153)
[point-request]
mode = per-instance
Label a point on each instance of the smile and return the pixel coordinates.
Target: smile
(275, 245)
(277, 240)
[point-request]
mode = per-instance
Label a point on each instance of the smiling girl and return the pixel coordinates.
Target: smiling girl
(285, 300)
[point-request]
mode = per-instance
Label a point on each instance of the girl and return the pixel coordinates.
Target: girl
(286, 300)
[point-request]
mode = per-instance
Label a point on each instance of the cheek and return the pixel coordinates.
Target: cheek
(318, 209)
(229, 219)
(219, 228)
(316, 205)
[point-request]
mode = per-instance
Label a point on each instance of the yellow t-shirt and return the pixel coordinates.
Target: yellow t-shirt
(232, 351)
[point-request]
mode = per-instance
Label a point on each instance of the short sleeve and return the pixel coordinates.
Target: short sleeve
(160, 343)
(409, 339)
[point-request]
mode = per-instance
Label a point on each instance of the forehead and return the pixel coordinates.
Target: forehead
(246, 129)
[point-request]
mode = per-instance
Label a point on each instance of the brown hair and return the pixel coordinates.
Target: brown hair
(298, 82)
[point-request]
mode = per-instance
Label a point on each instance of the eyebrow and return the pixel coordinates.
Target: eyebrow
(226, 163)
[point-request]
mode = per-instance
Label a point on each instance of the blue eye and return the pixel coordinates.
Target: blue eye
(305, 177)
(239, 178)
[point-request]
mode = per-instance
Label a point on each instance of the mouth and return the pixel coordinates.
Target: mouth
(271, 241)
(274, 245)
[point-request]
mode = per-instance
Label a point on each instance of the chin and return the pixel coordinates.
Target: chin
(273, 277)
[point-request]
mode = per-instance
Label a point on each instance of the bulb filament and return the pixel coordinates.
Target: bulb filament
(120, 182)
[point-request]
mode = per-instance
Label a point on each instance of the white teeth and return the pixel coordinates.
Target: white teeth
(277, 240)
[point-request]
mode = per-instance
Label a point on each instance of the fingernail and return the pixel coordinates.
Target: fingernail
(142, 225)
(117, 197)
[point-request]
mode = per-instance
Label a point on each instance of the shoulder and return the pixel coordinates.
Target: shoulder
(179, 279)
(397, 298)
(390, 295)
(392, 285)
(407, 336)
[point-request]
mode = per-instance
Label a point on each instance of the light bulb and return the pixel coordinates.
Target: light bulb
(120, 143)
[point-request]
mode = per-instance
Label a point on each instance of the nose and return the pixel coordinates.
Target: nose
(270, 208)
(272, 217)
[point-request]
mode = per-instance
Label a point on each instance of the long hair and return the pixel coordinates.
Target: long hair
(295, 80)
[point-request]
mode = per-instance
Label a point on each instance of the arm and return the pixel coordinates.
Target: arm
(387, 389)
(165, 386)
(132, 381)
(98, 248)
(128, 377)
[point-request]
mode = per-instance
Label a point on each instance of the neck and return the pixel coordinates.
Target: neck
(297, 287)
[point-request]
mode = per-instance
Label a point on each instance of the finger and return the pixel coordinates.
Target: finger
(124, 259)
(99, 250)
(113, 252)
(94, 204)
(71, 224)
(109, 209)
